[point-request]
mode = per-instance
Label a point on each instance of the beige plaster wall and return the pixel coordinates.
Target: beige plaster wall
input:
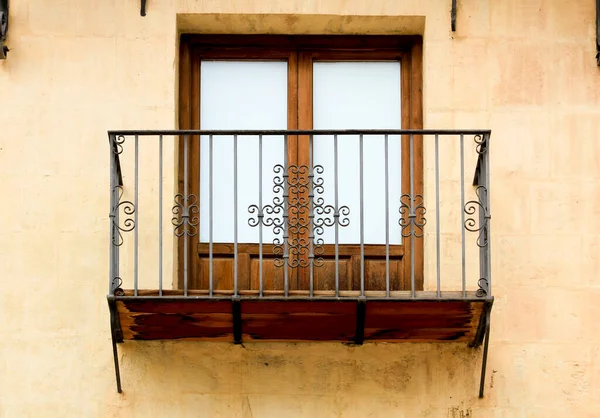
(524, 69)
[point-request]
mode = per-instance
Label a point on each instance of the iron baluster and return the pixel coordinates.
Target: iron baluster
(136, 248)
(111, 245)
(337, 208)
(185, 215)
(260, 205)
(286, 215)
(437, 216)
(488, 219)
(311, 217)
(387, 218)
(235, 216)
(462, 205)
(160, 215)
(210, 216)
(362, 218)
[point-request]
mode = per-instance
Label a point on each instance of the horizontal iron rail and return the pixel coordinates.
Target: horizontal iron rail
(223, 298)
(305, 132)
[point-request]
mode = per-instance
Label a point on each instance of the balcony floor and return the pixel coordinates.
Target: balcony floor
(424, 318)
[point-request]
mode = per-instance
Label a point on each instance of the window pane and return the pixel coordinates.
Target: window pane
(360, 95)
(239, 95)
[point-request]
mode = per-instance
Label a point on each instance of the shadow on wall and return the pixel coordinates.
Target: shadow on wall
(402, 371)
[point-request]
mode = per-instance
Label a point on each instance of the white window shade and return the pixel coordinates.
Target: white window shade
(360, 95)
(239, 95)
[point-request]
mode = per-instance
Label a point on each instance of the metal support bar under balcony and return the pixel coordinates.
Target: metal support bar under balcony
(453, 16)
(4, 16)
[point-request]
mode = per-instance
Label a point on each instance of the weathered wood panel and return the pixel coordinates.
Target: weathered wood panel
(299, 320)
(422, 320)
(175, 319)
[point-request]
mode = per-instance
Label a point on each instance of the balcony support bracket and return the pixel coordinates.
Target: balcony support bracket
(3, 28)
(483, 336)
(236, 309)
(453, 16)
(116, 337)
(485, 353)
(361, 313)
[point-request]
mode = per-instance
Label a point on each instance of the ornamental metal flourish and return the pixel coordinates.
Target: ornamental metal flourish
(298, 215)
(474, 206)
(128, 209)
(185, 215)
(117, 290)
(412, 219)
(118, 144)
(482, 287)
(480, 144)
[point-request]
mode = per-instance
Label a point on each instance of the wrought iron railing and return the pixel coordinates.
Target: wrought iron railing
(169, 234)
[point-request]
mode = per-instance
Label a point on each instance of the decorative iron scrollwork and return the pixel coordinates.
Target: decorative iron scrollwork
(480, 144)
(298, 220)
(412, 219)
(128, 209)
(471, 207)
(325, 216)
(186, 215)
(482, 287)
(117, 290)
(297, 226)
(118, 144)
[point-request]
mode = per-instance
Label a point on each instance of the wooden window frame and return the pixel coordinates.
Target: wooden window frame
(299, 51)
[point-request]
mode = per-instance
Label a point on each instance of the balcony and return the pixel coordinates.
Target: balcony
(349, 236)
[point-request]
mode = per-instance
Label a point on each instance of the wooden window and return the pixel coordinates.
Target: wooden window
(300, 82)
